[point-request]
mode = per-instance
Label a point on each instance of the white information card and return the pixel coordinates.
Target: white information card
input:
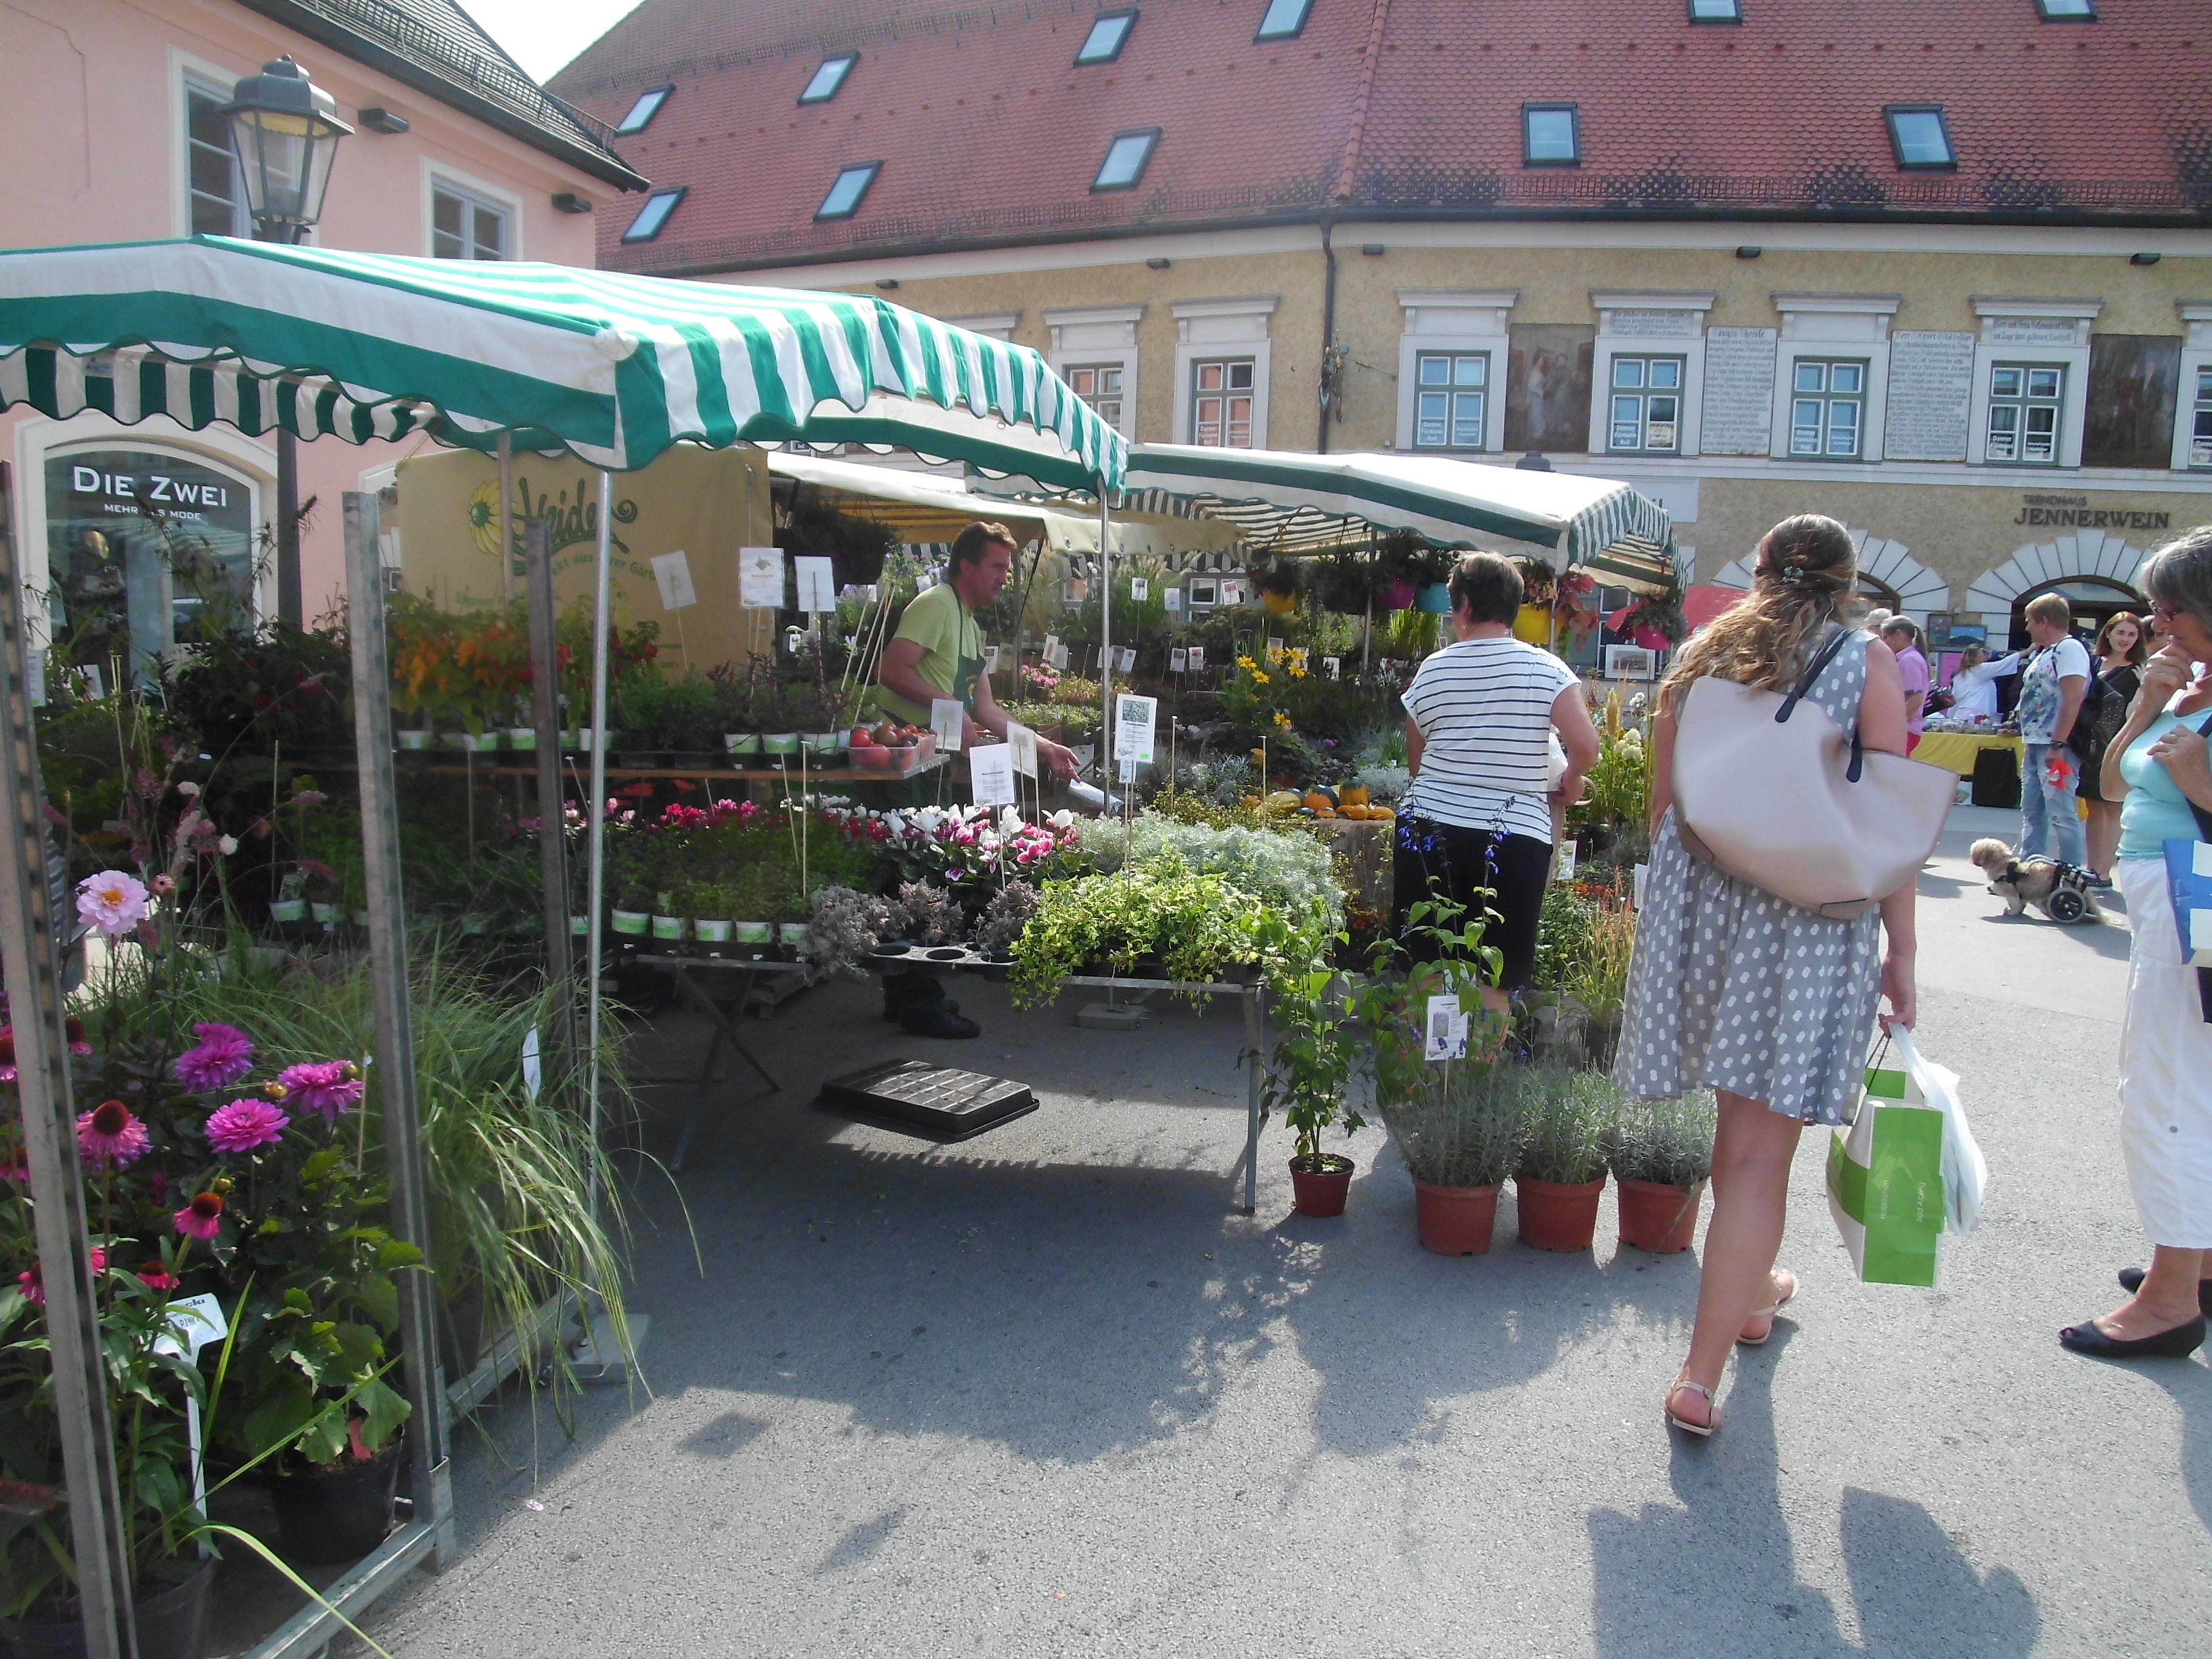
(946, 719)
(1133, 718)
(1447, 1028)
(1023, 743)
(672, 574)
(760, 577)
(991, 774)
(817, 586)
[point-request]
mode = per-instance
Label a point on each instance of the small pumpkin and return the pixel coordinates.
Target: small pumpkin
(1352, 794)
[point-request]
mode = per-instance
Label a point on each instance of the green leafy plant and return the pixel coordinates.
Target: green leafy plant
(1288, 867)
(1666, 1141)
(1310, 1068)
(1461, 1123)
(1570, 1125)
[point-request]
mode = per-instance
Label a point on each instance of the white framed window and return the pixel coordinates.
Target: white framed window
(1451, 400)
(1648, 374)
(1094, 349)
(1828, 409)
(2200, 418)
(1221, 402)
(215, 197)
(2030, 382)
(1223, 355)
(2192, 425)
(2026, 403)
(1451, 364)
(468, 218)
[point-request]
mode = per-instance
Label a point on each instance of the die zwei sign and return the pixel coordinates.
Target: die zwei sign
(2074, 512)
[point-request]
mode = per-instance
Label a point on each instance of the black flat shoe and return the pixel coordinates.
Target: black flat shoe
(940, 1022)
(2131, 1280)
(2180, 1342)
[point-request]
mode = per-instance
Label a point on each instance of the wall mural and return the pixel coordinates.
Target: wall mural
(2133, 380)
(1547, 387)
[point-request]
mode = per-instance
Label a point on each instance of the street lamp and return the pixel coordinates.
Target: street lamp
(284, 131)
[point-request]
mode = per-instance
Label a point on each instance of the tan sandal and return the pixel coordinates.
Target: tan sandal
(1703, 1430)
(1768, 1313)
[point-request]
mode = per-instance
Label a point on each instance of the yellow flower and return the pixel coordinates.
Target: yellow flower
(1246, 662)
(1259, 677)
(1297, 673)
(1282, 719)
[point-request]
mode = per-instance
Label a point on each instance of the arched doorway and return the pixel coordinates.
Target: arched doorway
(2093, 600)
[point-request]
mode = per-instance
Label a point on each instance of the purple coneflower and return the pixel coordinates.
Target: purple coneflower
(245, 1124)
(108, 1133)
(202, 1218)
(79, 1043)
(328, 1086)
(225, 1054)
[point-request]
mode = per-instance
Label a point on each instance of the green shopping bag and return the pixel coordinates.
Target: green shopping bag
(1886, 1182)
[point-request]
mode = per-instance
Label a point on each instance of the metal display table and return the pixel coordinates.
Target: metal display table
(724, 1016)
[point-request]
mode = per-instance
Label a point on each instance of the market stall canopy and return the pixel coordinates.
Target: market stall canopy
(1289, 502)
(612, 368)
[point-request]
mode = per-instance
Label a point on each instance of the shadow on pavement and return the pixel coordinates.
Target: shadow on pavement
(1718, 1576)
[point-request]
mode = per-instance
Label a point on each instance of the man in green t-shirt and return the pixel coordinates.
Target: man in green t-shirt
(938, 651)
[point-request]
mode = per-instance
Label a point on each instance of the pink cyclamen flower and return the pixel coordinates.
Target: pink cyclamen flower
(203, 1218)
(328, 1086)
(225, 1054)
(109, 1133)
(111, 902)
(245, 1124)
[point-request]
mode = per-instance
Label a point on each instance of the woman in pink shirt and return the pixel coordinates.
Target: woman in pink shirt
(1902, 637)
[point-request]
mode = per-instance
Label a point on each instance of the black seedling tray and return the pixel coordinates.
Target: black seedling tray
(936, 1102)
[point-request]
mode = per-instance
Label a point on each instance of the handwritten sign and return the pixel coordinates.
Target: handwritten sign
(760, 577)
(991, 774)
(672, 574)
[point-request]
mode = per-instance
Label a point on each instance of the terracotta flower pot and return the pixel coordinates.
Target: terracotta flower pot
(1657, 1218)
(1321, 1191)
(1557, 1215)
(1454, 1220)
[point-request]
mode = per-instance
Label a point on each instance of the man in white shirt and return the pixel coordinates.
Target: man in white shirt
(2053, 682)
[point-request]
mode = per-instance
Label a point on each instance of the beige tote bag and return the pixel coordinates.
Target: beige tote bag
(1770, 789)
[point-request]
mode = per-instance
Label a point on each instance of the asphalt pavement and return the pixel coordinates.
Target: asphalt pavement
(1045, 1393)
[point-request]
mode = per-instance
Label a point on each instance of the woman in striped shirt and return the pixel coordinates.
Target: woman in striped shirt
(1478, 719)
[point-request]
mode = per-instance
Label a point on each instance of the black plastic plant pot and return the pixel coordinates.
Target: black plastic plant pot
(337, 1515)
(171, 1624)
(640, 760)
(691, 760)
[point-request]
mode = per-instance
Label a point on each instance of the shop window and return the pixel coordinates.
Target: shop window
(1451, 400)
(642, 111)
(215, 204)
(2200, 426)
(1284, 20)
(1551, 136)
(823, 85)
(464, 226)
(1099, 385)
(846, 195)
(1646, 406)
(1109, 32)
(1221, 404)
(1827, 408)
(2025, 403)
(145, 550)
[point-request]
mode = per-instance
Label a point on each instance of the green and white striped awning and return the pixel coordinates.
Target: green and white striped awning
(612, 368)
(1288, 502)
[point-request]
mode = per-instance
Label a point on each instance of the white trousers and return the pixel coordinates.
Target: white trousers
(2166, 1071)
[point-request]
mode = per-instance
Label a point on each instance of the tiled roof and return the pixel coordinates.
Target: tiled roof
(988, 135)
(437, 48)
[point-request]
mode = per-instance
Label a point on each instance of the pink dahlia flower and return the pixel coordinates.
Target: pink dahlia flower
(225, 1054)
(245, 1124)
(202, 1218)
(111, 902)
(108, 1133)
(328, 1086)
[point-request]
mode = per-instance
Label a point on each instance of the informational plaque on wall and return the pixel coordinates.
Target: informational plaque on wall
(2032, 330)
(1739, 392)
(1931, 390)
(1654, 324)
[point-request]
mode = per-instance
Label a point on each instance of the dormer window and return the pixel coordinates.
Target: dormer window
(851, 188)
(828, 78)
(642, 111)
(1109, 32)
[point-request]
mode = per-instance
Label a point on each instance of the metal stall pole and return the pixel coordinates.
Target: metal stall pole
(395, 1029)
(1106, 641)
(552, 834)
(34, 986)
(598, 829)
(506, 515)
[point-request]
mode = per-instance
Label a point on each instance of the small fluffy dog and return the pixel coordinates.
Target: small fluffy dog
(2057, 890)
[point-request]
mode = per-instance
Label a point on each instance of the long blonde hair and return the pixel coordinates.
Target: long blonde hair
(1801, 580)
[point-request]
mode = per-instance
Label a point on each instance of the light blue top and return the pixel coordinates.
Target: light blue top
(2155, 810)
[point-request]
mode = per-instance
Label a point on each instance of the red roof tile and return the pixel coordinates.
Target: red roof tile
(989, 135)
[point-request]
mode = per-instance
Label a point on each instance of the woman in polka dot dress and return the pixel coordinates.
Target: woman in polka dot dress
(1732, 988)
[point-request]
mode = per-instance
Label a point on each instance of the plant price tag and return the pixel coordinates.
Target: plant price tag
(1173, 596)
(945, 719)
(991, 774)
(1197, 658)
(1021, 742)
(1125, 659)
(1133, 719)
(672, 574)
(1333, 666)
(760, 577)
(818, 584)
(1129, 764)
(1447, 1028)
(1140, 588)
(1274, 645)
(1566, 870)
(1178, 661)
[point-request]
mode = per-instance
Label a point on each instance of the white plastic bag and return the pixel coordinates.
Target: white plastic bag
(1965, 1173)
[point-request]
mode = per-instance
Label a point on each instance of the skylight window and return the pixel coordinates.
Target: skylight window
(2067, 11)
(845, 196)
(1919, 136)
(654, 214)
(1551, 136)
(642, 111)
(1126, 157)
(830, 77)
(1717, 11)
(1284, 20)
(1109, 32)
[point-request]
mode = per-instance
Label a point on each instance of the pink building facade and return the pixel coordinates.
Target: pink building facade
(108, 134)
